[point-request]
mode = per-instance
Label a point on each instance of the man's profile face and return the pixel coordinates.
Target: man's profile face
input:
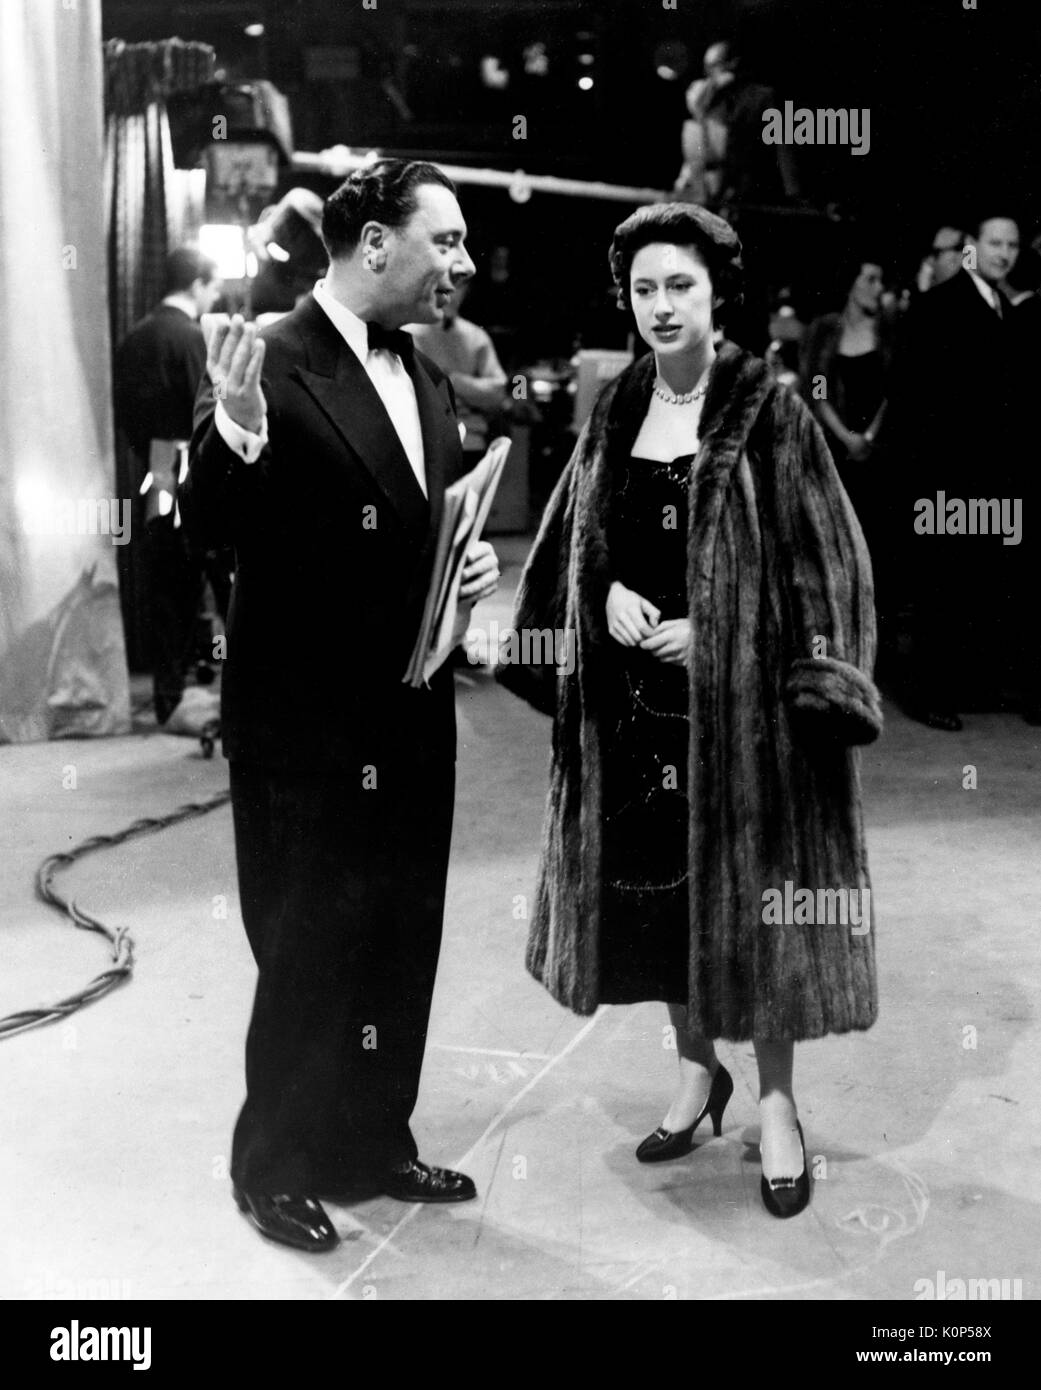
(206, 293)
(945, 254)
(997, 248)
(426, 259)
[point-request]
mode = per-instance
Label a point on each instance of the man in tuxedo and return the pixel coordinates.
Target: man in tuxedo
(321, 451)
(962, 415)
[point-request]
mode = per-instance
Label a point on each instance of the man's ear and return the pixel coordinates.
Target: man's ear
(373, 236)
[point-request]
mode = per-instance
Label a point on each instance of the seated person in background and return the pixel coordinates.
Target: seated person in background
(466, 354)
(703, 141)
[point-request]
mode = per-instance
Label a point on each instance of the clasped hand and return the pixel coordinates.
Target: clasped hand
(633, 621)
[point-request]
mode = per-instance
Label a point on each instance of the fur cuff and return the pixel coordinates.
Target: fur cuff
(835, 697)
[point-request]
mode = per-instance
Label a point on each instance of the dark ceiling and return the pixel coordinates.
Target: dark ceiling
(953, 93)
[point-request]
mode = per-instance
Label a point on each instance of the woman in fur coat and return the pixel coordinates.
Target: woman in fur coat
(703, 842)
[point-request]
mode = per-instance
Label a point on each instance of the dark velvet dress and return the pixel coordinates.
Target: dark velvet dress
(645, 728)
(862, 382)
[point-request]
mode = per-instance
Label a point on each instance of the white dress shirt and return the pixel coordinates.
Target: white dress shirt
(384, 369)
(989, 293)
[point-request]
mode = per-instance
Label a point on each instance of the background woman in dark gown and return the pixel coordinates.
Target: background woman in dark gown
(846, 370)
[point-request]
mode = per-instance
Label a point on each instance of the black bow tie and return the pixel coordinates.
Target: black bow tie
(391, 340)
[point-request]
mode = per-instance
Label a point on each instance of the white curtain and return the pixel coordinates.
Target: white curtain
(62, 662)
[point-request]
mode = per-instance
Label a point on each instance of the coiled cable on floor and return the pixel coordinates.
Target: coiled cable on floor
(122, 942)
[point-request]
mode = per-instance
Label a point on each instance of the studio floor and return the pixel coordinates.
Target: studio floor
(923, 1133)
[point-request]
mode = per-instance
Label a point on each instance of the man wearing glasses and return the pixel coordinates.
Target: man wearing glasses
(944, 259)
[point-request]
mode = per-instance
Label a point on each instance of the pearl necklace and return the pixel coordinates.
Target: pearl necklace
(670, 398)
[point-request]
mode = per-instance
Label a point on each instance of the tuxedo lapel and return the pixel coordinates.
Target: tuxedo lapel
(440, 436)
(340, 386)
(977, 308)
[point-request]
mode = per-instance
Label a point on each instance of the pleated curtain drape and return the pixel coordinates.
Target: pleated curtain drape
(146, 199)
(63, 671)
(150, 207)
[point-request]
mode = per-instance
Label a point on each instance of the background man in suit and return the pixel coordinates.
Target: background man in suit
(324, 460)
(156, 376)
(466, 353)
(963, 410)
(944, 259)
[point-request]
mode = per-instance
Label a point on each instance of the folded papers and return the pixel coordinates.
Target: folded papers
(467, 504)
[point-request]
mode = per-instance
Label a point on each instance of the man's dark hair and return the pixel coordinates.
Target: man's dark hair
(681, 224)
(186, 265)
(381, 192)
(950, 226)
(998, 213)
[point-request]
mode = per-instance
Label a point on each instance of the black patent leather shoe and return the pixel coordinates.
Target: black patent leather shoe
(785, 1197)
(664, 1144)
(417, 1182)
(301, 1222)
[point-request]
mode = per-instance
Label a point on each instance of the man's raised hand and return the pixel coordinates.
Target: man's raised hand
(234, 359)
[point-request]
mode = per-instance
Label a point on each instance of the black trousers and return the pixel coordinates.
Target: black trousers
(975, 624)
(178, 570)
(342, 890)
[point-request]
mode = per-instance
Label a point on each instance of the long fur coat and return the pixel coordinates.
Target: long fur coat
(783, 623)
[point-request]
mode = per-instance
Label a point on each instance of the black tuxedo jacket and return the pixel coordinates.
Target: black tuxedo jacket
(962, 379)
(334, 543)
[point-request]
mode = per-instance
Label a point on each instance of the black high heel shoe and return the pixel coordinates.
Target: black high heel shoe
(663, 1144)
(787, 1196)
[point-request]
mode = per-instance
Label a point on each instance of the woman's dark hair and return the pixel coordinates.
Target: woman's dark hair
(681, 224)
(851, 263)
(384, 191)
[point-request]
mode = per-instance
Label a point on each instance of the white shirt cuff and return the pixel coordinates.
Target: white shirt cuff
(245, 443)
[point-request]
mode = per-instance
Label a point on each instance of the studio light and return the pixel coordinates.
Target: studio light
(225, 245)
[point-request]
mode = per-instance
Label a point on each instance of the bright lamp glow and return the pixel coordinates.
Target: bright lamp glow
(586, 84)
(226, 245)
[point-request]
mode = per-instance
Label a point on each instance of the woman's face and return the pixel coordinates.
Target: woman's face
(867, 289)
(672, 299)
